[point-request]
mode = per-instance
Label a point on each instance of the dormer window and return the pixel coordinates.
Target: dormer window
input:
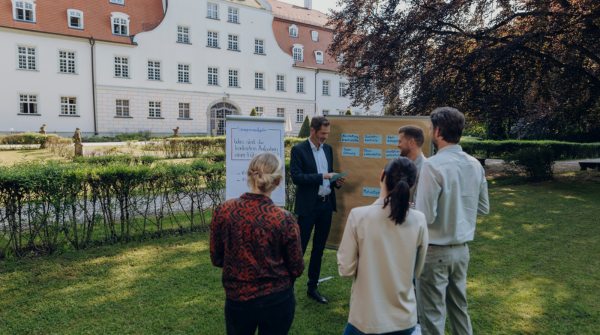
(118, 2)
(24, 10)
(120, 24)
(319, 57)
(297, 51)
(315, 36)
(293, 31)
(75, 18)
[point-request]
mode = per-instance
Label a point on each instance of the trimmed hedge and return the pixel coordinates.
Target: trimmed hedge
(26, 138)
(501, 149)
(125, 159)
(50, 206)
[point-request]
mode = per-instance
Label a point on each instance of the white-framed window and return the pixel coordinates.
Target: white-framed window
(153, 70)
(325, 87)
(122, 107)
(293, 31)
(280, 112)
(213, 39)
(27, 58)
(120, 24)
(183, 73)
(299, 115)
(232, 42)
(280, 83)
(213, 76)
(259, 81)
(259, 46)
(315, 36)
(325, 112)
(233, 78)
(154, 109)
(342, 89)
(319, 57)
(297, 51)
(184, 110)
(118, 2)
(75, 18)
(28, 103)
(24, 10)
(183, 34)
(121, 67)
(299, 85)
(233, 15)
(66, 62)
(68, 106)
(212, 11)
(260, 111)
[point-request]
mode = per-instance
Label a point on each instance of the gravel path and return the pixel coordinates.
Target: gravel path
(497, 167)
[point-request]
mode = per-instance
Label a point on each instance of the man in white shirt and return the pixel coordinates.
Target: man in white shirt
(410, 141)
(452, 193)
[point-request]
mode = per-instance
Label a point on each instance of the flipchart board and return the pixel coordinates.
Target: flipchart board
(364, 145)
(247, 136)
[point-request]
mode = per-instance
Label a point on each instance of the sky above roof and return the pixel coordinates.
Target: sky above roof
(321, 5)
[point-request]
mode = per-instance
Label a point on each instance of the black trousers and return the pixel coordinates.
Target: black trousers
(272, 314)
(320, 219)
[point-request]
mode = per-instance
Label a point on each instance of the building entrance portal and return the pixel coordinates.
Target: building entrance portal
(218, 115)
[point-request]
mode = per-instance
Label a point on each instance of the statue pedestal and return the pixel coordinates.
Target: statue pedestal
(78, 150)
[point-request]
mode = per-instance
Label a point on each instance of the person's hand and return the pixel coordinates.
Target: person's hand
(341, 181)
(329, 175)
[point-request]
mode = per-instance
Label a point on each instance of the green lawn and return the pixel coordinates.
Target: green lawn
(534, 270)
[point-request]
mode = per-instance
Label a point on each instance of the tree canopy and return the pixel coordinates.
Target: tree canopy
(499, 61)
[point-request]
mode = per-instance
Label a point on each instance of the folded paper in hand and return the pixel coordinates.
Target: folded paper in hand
(338, 176)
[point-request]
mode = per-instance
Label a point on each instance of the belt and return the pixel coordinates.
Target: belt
(449, 246)
(323, 199)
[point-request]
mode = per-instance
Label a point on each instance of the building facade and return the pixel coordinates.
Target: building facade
(116, 66)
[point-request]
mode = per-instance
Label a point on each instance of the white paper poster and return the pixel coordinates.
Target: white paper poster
(247, 136)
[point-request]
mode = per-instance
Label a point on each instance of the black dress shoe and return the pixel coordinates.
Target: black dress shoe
(316, 296)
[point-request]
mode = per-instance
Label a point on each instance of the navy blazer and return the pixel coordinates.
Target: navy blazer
(307, 178)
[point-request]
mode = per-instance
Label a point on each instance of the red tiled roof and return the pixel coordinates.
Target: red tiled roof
(290, 12)
(306, 21)
(51, 17)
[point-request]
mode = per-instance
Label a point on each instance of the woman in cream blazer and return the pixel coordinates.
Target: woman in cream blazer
(379, 248)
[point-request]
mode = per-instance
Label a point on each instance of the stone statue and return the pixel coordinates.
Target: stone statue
(78, 145)
(43, 129)
(176, 131)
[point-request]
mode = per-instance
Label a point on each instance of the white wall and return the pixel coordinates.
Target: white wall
(333, 102)
(161, 45)
(46, 82)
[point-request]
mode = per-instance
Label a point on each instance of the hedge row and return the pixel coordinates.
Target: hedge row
(125, 159)
(49, 206)
(25, 138)
(500, 149)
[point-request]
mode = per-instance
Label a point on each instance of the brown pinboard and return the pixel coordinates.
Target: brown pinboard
(364, 171)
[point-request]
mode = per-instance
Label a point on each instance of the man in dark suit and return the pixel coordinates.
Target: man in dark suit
(312, 169)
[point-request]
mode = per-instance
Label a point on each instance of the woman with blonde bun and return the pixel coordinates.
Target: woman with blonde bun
(258, 246)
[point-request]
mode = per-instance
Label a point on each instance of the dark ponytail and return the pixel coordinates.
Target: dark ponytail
(400, 175)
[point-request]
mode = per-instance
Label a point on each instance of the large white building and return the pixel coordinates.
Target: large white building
(115, 66)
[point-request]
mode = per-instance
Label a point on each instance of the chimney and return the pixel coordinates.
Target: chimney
(308, 4)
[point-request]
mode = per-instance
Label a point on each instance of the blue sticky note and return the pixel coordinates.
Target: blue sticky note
(373, 139)
(391, 154)
(350, 138)
(371, 192)
(371, 153)
(391, 139)
(351, 152)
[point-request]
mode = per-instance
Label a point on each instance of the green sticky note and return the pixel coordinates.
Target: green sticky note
(338, 176)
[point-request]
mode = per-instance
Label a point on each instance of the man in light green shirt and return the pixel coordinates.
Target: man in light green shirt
(452, 193)
(410, 141)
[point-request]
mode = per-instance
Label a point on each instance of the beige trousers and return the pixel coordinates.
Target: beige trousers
(442, 288)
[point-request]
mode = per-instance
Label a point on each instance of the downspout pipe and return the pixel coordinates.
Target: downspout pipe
(92, 44)
(317, 72)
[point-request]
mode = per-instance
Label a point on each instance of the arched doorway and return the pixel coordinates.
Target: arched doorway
(218, 115)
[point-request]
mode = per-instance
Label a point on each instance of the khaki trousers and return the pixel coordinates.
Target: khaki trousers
(442, 288)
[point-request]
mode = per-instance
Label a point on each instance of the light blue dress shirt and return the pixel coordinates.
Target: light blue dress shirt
(321, 161)
(452, 193)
